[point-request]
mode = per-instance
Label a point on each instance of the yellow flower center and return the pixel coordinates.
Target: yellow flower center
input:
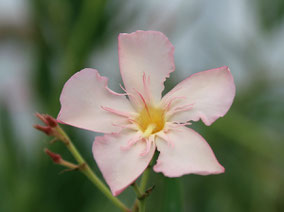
(151, 120)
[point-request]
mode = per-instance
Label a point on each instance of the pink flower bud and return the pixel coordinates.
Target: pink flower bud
(50, 121)
(41, 117)
(55, 157)
(46, 129)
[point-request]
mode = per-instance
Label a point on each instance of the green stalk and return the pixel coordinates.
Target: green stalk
(143, 184)
(144, 179)
(140, 197)
(86, 170)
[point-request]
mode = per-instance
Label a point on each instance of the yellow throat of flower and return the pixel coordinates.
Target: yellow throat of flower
(151, 120)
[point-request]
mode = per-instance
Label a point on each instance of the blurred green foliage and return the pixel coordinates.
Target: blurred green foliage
(272, 13)
(248, 141)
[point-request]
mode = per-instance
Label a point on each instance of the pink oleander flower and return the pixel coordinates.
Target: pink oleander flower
(136, 126)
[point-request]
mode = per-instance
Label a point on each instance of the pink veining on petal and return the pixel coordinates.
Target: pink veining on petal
(211, 91)
(143, 99)
(132, 141)
(170, 95)
(149, 142)
(166, 138)
(168, 104)
(146, 85)
(117, 112)
(130, 95)
(126, 125)
(179, 109)
(148, 52)
(174, 126)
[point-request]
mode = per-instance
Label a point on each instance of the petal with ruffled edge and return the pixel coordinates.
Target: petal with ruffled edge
(207, 95)
(145, 57)
(121, 166)
(188, 154)
(83, 98)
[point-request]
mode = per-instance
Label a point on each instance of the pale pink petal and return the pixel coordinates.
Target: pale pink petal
(207, 95)
(189, 154)
(121, 166)
(87, 102)
(146, 59)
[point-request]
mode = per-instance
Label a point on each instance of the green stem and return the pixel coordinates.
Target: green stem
(143, 183)
(86, 170)
(140, 197)
(137, 190)
(144, 179)
(146, 175)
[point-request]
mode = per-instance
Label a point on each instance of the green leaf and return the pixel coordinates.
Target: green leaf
(173, 201)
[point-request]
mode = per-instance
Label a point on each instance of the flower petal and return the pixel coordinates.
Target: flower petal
(207, 95)
(145, 55)
(83, 98)
(121, 166)
(188, 154)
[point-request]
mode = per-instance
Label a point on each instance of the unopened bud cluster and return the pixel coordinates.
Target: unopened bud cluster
(56, 158)
(51, 128)
(50, 124)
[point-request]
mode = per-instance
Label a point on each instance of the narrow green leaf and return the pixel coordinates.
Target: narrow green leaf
(173, 201)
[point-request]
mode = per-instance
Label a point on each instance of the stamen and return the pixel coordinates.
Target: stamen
(175, 126)
(122, 88)
(168, 105)
(165, 98)
(132, 141)
(151, 120)
(179, 109)
(144, 102)
(126, 126)
(133, 97)
(149, 130)
(149, 142)
(166, 138)
(132, 121)
(116, 112)
(115, 93)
